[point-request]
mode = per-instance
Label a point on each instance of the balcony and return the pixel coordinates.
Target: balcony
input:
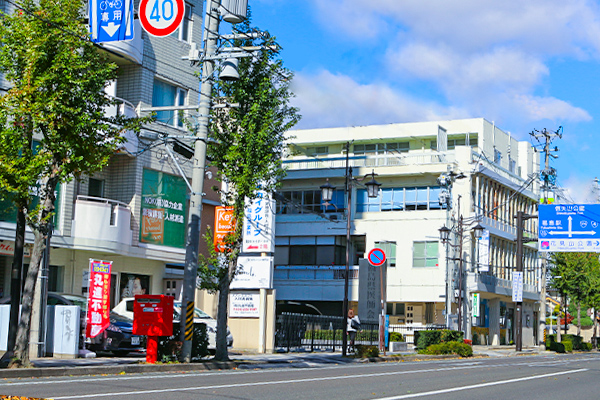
(102, 219)
(126, 109)
(130, 50)
(492, 284)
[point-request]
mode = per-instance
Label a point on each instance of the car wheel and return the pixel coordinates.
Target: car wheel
(120, 353)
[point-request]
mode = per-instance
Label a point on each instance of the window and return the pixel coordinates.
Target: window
(389, 248)
(497, 156)
(425, 254)
(165, 94)
(96, 188)
(317, 151)
(381, 148)
(303, 255)
(308, 201)
(395, 199)
(184, 32)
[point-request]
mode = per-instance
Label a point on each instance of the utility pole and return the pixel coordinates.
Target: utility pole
(548, 176)
(198, 167)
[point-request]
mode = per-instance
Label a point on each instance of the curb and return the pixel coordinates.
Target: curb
(113, 369)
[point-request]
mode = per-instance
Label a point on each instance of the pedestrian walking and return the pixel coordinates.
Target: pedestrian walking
(352, 328)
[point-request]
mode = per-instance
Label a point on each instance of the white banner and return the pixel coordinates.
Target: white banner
(259, 225)
(517, 287)
(244, 305)
(253, 273)
(484, 252)
(475, 299)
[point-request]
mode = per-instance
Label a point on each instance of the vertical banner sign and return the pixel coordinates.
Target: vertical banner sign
(476, 312)
(483, 258)
(163, 209)
(99, 298)
(259, 224)
(517, 287)
(224, 224)
(111, 20)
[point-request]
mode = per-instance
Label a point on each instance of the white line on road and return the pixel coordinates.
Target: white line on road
(291, 381)
(481, 385)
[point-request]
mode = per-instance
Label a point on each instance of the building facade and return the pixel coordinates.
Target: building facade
(134, 212)
(489, 175)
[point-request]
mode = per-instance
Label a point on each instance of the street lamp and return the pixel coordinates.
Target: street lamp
(459, 228)
(327, 195)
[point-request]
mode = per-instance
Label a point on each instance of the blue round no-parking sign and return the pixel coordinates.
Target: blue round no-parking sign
(376, 257)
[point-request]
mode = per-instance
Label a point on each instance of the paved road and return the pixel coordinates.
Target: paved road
(545, 377)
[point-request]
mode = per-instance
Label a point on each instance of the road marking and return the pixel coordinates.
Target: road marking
(481, 385)
(292, 381)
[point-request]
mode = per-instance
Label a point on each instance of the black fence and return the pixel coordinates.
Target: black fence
(303, 332)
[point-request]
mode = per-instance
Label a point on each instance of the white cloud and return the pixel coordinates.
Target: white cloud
(580, 191)
(328, 100)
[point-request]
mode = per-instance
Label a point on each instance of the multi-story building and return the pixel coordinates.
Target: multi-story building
(492, 176)
(134, 212)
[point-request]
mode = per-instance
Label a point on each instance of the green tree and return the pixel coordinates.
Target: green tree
(576, 276)
(249, 156)
(53, 125)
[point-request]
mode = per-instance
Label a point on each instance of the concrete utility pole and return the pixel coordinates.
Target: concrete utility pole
(198, 170)
(548, 182)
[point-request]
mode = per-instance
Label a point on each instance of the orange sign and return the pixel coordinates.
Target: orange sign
(224, 224)
(153, 225)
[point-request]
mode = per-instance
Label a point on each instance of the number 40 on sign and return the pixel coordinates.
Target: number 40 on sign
(161, 17)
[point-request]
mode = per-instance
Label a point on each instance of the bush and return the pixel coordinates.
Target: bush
(366, 351)
(396, 337)
(424, 339)
(577, 341)
(454, 347)
(169, 347)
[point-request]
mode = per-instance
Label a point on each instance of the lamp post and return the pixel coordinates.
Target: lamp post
(459, 228)
(326, 195)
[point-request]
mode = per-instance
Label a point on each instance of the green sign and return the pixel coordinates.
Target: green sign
(163, 216)
(8, 211)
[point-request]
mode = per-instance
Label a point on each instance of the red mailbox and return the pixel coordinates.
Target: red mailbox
(152, 316)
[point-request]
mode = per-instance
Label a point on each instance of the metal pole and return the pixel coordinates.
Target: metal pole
(519, 304)
(199, 164)
(44, 294)
(346, 276)
(460, 268)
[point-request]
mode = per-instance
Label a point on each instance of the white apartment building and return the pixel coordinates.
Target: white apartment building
(135, 211)
(496, 176)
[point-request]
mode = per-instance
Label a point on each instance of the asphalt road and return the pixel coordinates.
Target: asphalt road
(545, 377)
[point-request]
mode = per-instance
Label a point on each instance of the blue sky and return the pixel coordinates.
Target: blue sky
(524, 65)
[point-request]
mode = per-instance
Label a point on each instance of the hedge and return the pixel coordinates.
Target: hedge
(424, 339)
(452, 347)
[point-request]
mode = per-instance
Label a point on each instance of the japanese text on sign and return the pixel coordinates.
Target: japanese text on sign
(259, 222)
(99, 298)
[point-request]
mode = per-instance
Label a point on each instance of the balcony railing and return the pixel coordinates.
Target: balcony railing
(369, 161)
(102, 219)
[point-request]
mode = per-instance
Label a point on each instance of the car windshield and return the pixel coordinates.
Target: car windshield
(77, 300)
(198, 313)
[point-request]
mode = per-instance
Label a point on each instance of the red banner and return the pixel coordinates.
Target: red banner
(99, 298)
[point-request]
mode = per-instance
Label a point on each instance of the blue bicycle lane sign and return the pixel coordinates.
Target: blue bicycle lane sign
(111, 20)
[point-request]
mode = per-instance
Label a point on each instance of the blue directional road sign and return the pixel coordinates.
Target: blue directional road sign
(569, 227)
(111, 20)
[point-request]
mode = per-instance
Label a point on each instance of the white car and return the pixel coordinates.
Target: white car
(125, 308)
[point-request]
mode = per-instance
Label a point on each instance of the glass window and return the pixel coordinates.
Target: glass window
(164, 95)
(184, 32)
(410, 198)
(389, 248)
(425, 254)
(398, 202)
(422, 198)
(386, 199)
(434, 198)
(96, 188)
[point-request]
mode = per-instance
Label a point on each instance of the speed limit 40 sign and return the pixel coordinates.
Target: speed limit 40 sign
(161, 17)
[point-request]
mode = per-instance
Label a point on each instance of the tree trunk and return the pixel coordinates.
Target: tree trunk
(40, 232)
(221, 352)
(15, 287)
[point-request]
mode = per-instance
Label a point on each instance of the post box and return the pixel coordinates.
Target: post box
(152, 316)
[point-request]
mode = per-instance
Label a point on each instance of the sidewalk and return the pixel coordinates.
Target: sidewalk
(46, 367)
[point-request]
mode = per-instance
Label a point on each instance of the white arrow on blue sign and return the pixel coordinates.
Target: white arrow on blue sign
(111, 20)
(569, 227)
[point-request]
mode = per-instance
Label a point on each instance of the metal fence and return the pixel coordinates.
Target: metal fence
(303, 332)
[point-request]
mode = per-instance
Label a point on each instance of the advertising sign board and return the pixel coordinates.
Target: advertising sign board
(253, 273)
(99, 298)
(259, 225)
(224, 224)
(569, 227)
(244, 305)
(163, 211)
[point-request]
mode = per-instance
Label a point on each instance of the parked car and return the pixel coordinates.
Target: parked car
(125, 308)
(117, 338)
